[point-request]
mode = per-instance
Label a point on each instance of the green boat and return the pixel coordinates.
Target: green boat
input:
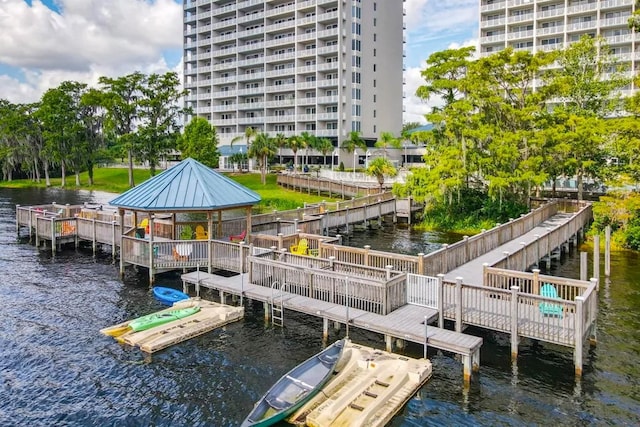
(156, 319)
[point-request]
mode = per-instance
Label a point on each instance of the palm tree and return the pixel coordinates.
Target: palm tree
(381, 167)
(262, 148)
(351, 144)
(295, 143)
(387, 140)
(281, 142)
(325, 146)
(249, 134)
(309, 142)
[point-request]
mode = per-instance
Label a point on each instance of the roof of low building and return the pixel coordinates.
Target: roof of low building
(187, 186)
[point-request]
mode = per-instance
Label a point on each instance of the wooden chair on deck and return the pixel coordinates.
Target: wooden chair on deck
(182, 251)
(201, 234)
(547, 308)
(302, 248)
(238, 237)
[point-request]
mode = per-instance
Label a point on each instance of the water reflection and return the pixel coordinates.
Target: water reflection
(56, 368)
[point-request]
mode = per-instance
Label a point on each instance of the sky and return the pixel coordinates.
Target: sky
(45, 42)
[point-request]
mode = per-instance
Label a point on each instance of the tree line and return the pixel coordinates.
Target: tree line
(73, 126)
(510, 122)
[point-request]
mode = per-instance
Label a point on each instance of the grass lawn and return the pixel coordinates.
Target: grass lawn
(115, 180)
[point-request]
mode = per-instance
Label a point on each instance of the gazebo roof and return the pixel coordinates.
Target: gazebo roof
(187, 186)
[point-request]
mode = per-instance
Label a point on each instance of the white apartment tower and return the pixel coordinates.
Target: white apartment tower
(326, 67)
(537, 25)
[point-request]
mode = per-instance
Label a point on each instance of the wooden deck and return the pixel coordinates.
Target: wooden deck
(406, 323)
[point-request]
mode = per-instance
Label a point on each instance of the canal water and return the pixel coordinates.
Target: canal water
(57, 369)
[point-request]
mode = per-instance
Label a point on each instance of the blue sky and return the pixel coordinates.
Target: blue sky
(44, 42)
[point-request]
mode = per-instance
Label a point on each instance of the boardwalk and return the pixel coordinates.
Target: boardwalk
(481, 280)
(405, 323)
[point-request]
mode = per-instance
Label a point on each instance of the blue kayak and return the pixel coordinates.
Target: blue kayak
(168, 296)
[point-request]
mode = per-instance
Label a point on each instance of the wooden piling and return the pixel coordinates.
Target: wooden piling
(514, 323)
(596, 256)
(607, 251)
(584, 265)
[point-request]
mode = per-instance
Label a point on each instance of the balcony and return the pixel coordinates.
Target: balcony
(491, 7)
(520, 35)
(498, 38)
(550, 30)
(251, 106)
(551, 13)
(582, 8)
(581, 26)
(520, 18)
(490, 23)
(612, 4)
(614, 22)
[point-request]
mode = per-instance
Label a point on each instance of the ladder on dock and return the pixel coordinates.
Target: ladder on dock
(277, 305)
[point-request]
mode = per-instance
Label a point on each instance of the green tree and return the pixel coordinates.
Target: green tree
(295, 143)
(122, 111)
(248, 135)
(92, 116)
(200, 142)
(324, 146)
(386, 140)
(352, 143)
(634, 19)
(381, 167)
(281, 142)
(159, 114)
(262, 148)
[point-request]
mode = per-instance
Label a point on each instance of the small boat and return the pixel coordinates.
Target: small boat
(155, 319)
(168, 296)
(295, 388)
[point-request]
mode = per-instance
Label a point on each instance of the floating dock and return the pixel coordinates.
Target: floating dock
(212, 315)
(370, 387)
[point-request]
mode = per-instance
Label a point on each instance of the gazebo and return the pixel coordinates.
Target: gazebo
(157, 239)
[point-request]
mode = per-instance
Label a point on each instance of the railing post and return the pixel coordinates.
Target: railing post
(421, 263)
(506, 254)
(466, 248)
(366, 254)
(53, 236)
(426, 336)
(596, 256)
(537, 237)
(280, 241)
(94, 244)
(485, 274)
(536, 281)
(524, 256)
(445, 258)
(18, 221)
(579, 335)
(607, 251)
(347, 219)
(514, 322)
(458, 304)
(114, 230)
(441, 300)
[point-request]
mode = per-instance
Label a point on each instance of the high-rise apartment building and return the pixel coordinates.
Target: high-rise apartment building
(537, 25)
(326, 67)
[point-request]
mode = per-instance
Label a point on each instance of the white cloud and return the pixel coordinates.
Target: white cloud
(88, 39)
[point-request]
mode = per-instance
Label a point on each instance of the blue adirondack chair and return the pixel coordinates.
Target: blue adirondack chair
(547, 308)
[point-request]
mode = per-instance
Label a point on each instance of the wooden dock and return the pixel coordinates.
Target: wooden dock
(405, 323)
(370, 386)
(211, 316)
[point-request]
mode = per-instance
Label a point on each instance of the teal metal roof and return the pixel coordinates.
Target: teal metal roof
(187, 186)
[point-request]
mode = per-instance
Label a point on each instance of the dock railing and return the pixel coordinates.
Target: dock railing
(370, 293)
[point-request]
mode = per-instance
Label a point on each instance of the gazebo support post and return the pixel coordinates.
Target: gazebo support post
(151, 232)
(248, 235)
(122, 251)
(209, 231)
(219, 224)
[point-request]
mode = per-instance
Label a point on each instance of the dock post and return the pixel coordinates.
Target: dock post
(18, 220)
(607, 251)
(593, 338)
(579, 336)
(445, 262)
(514, 322)
(467, 367)
(536, 281)
(53, 237)
(426, 337)
(346, 219)
(266, 311)
(524, 256)
(583, 265)
(596, 256)
(475, 360)
(94, 244)
(458, 304)
(440, 301)
(388, 340)
(537, 238)
(506, 254)
(31, 226)
(325, 329)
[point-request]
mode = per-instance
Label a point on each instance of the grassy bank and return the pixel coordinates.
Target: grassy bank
(115, 180)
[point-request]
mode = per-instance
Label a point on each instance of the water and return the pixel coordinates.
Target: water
(56, 369)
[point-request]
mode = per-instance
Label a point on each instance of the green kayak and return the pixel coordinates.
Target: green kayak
(152, 320)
